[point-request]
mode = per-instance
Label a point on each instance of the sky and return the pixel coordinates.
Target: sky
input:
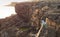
(3, 2)
(6, 11)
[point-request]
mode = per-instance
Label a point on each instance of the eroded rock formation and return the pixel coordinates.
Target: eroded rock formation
(19, 25)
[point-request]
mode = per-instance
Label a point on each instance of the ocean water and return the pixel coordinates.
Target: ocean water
(6, 11)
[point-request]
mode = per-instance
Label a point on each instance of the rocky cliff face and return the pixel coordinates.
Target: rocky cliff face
(51, 0)
(19, 25)
(13, 26)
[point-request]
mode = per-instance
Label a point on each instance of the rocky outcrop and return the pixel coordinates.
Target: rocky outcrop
(27, 21)
(11, 25)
